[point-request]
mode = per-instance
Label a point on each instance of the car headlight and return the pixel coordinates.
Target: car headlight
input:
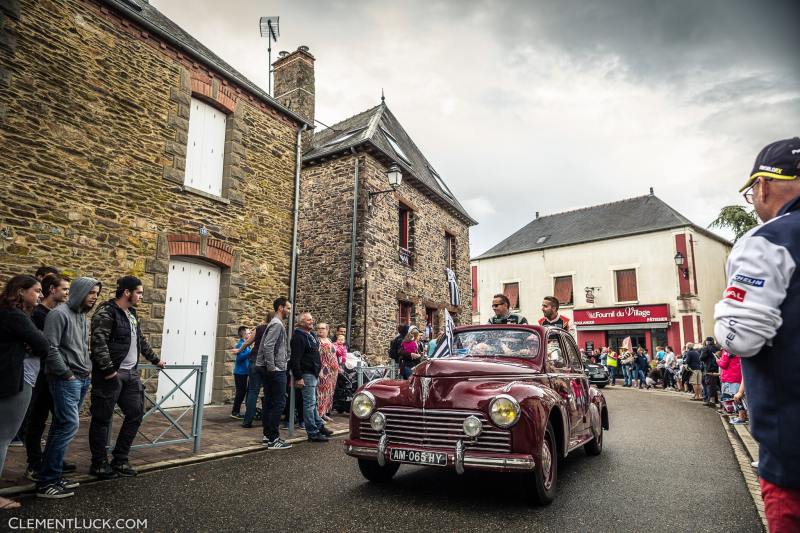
(472, 426)
(377, 421)
(363, 404)
(504, 411)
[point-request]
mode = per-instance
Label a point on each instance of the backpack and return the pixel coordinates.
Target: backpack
(394, 348)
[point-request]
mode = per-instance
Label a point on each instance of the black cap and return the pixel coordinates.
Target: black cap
(779, 161)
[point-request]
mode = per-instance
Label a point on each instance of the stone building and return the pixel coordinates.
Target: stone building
(130, 148)
(404, 238)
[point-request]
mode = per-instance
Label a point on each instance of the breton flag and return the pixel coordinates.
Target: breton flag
(455, 297)
(445, 348)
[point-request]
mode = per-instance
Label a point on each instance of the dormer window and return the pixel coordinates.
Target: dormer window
(396, 147)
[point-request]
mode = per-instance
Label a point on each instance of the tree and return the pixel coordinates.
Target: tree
(735, 218)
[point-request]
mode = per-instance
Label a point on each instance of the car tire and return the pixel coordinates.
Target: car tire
(595, 446)
(602, 385)
(545, 474)
(376, 473)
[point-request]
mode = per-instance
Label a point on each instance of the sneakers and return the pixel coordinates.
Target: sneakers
(736, 421)
(278, 444)
(325, 431)
(124, 469)
(237, 416)
(319, 437)
(54, 491)
(68, 484)
(16, 443)
(754, 464)
(102, 471)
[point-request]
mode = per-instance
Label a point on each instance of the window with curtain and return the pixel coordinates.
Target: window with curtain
(626, 285)
(404, 313)
(562, 290)
(511, 290)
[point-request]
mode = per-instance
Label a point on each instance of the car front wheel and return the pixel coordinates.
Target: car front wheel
(545, 474)
(376, 473)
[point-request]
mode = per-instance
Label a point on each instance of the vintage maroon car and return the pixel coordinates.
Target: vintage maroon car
(509, 398)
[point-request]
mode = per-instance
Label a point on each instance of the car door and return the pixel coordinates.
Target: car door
(580, 385)
(560, 375)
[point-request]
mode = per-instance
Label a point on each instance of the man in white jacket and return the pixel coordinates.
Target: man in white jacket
(758, 319)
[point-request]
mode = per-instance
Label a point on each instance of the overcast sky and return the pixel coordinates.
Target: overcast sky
(545, 105)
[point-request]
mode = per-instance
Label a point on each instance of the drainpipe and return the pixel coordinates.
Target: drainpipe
(293, 274)
(352, 248)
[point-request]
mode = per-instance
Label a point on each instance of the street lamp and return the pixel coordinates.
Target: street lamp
(395, 177)
(679, 261)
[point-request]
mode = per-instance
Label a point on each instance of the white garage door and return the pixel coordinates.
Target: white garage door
(190, 326)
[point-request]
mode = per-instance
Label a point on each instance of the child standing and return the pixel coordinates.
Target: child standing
(341, 349)
(240, 371)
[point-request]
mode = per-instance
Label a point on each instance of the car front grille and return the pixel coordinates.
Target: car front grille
(439, 428)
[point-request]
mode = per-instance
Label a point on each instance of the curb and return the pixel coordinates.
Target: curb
(743, 453)
(164, 465)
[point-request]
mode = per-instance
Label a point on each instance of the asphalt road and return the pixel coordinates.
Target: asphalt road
(667, 466)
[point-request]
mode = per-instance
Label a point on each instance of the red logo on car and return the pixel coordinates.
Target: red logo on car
(735, 293)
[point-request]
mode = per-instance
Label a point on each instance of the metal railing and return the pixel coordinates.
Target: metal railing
(196, 406)
(376, 372)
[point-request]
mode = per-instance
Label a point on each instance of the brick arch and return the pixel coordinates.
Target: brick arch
(213, 250)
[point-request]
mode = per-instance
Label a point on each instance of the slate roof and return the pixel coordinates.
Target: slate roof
(379, 128)
(142, 12)
(643, 214)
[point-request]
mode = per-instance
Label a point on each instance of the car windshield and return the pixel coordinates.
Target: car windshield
(496, 343)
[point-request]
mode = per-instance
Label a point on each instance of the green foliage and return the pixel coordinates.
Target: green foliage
(736, 218)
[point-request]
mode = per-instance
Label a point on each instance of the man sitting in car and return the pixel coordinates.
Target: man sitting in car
(502, 315)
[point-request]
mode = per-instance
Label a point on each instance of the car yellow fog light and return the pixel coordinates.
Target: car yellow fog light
(504, 410)
(377, 421)
(363, 404)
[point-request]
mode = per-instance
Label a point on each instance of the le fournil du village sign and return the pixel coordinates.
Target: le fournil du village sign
(631, 314)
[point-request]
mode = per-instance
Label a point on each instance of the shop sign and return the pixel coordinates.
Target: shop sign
(631, 314)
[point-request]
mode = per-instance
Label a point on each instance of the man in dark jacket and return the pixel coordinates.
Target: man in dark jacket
(708, 360)
(305, 364)
(692, 360)
(117, 342)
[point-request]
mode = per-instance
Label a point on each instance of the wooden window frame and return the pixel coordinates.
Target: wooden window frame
(404, 312)
(571, 277)
(450, 250)
(511, 307)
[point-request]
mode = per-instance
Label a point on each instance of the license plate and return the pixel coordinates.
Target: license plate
(418, 457)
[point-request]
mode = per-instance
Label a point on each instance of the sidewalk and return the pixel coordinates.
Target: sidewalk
(221, 436)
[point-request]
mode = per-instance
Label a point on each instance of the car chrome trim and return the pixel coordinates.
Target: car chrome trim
(458, 458)
(362, 451)
(500, 463)
(384, 440)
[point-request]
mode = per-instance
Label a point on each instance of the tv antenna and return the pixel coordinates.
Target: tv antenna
(269, 28)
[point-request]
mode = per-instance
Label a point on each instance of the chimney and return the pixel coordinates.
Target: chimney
(651, 191)
(537, 214)
(293, 75)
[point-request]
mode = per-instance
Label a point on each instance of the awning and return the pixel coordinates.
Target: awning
(623, 327)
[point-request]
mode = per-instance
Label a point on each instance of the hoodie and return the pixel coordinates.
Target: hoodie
(67, 331)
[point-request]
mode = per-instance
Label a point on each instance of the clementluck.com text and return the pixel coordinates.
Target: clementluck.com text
(60, 524)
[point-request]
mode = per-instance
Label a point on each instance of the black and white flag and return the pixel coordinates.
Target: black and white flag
(455, 297)
(445, 348)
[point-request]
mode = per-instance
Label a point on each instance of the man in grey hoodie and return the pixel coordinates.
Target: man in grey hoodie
(68, 368)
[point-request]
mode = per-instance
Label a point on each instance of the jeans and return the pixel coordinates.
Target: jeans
(40, 408)
(125, 390)
(612, 374)
(241, 392)
(68, 396)
(627, 374)
(274, 401)
(254, 383)
(642, 376)
(310, 415)
(729, 390)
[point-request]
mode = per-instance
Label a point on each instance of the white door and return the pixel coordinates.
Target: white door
(190, 326)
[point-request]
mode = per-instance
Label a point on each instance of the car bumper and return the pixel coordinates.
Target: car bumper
(459, 457)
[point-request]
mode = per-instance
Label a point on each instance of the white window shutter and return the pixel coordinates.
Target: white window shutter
(205, 148)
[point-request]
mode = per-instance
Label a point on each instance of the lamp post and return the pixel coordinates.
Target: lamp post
(395, 177)
(679, 261)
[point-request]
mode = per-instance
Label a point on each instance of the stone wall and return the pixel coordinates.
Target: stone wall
(326, 204)
(93, 123)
